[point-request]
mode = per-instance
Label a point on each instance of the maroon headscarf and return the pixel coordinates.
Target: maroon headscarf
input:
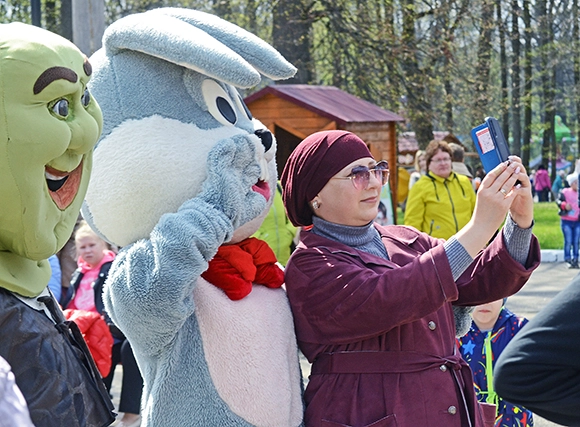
(311, 165)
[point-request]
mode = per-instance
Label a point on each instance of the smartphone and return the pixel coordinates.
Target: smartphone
(490, 143)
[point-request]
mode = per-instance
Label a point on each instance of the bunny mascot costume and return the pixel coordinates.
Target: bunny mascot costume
(49, 124)
(182, 177)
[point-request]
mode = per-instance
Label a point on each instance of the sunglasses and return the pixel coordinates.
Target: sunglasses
(361, 175)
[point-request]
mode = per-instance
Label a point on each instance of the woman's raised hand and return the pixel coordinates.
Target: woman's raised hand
(522, 208)
(498, 194)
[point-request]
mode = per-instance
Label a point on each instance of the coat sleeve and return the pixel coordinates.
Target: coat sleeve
(540, 367)
(494, 274)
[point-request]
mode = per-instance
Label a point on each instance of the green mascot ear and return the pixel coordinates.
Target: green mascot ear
(49, 125)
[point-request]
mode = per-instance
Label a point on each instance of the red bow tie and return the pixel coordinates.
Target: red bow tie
(235, 267)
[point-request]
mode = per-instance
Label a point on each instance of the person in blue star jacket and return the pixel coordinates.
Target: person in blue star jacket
(493, 326)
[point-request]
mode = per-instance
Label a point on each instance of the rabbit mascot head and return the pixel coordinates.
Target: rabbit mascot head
(182, 177)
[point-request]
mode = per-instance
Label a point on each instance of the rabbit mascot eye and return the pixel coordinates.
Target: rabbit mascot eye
(183, 176)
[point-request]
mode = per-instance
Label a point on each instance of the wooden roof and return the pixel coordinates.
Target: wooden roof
(330, 102)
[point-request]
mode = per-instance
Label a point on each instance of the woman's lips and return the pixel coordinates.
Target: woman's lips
(263, 188)
(373, 199)
(63, 186)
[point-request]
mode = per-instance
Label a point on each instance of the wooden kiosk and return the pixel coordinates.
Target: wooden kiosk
(292, 112)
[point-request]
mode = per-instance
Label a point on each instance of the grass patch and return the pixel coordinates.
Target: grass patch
(546, 228)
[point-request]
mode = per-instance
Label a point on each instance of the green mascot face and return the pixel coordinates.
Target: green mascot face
(49, 125)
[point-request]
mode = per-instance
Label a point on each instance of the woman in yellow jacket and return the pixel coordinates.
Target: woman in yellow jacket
(441, 202)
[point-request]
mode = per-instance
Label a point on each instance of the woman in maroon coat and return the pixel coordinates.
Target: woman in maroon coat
(372, 305)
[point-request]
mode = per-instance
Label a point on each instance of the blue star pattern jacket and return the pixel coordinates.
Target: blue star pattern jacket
(473, 350)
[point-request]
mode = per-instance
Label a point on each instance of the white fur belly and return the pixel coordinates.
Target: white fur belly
(251, 353)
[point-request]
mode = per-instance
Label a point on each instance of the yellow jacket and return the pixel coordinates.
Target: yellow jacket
(277, 230)
(439, 206)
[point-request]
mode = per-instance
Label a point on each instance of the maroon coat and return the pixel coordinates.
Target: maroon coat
(397, 316)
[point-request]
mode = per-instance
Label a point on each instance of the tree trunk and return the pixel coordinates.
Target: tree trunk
(51, 16)
(223, 9)
(419, 110)
(528, 58)
(504, 98)
(252, 9)
(516, 108)
(66, 19)
(35, 12)
(576, 52)
(447, 85)
(88, 24)
(484, 59)
(291, 37)
(545, 48)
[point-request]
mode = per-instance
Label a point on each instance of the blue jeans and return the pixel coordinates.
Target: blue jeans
(571, 231)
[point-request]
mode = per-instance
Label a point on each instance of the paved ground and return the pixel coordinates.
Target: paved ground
(549, 279)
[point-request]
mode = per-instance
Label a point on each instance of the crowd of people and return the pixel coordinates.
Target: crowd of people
(338, 311)
(402, 324)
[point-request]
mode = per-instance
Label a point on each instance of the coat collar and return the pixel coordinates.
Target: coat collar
(434, 177)
(396, 239)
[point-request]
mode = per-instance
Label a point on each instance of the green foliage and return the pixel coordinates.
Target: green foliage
(15, 11)
(436, 63)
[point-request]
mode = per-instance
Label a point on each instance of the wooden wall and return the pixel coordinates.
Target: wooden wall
(274, 111)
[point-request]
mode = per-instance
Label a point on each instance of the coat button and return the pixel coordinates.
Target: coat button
(443, 368)
(432, 325)
(452, 410)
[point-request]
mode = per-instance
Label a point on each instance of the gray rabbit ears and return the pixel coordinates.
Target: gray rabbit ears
(199, 41)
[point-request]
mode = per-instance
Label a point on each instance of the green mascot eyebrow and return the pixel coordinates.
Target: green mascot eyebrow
(52, 74)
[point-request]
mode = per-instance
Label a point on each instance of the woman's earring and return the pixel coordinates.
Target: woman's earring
(315, 205)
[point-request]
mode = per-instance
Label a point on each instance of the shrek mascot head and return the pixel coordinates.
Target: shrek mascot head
(48, 126)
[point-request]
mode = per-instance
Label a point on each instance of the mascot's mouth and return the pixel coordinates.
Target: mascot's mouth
(63, 186)
(263, 188)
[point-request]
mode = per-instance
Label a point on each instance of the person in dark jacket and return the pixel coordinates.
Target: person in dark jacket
(49, 125)
(372, 304)
(85, 292)
(540, 367)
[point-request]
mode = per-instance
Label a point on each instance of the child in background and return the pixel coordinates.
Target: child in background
(85, 293)
(85, 290)
(568, 204)
(493, 326)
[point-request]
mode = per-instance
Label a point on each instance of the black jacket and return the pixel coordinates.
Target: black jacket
(540, 367)
(52, 366)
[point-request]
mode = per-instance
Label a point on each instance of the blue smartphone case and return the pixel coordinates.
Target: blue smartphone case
(490, 143)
